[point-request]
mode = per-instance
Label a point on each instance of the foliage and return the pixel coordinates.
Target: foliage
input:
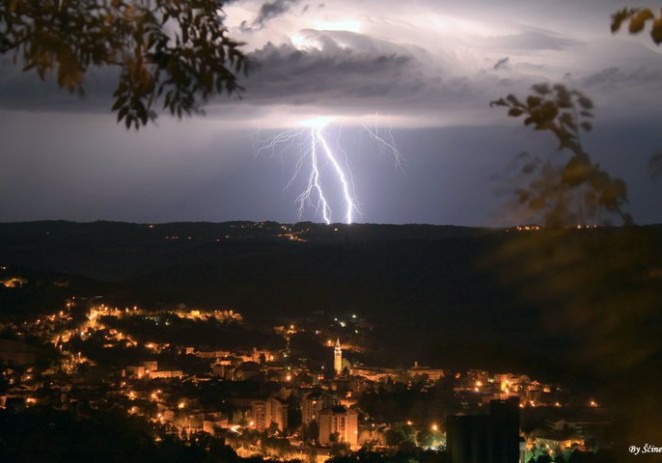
(339, 449)
(311, 431)
(554, 190)
(400, 433)
(102, 436)
(638, 18)
(427, 438)
(162, 48)
(275, 447)
(311, 455)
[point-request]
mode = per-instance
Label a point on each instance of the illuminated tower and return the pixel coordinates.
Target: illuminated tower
(337, 358)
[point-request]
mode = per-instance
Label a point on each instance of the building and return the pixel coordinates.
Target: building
(166, 374)
(248, 371)
(337, 358)
(313, 403)
(433, 374)
(266, 412)
(493, 438)
(339, 424)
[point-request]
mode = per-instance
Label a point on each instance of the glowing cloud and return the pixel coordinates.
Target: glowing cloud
(349, 26)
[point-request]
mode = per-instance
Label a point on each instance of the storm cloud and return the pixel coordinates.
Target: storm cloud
(425, 69)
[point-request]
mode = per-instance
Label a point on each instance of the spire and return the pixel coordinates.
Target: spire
(337, 358)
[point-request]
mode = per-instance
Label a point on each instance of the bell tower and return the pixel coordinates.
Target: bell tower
(337, 358)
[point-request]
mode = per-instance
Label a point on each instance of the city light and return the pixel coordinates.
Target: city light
(166, 410)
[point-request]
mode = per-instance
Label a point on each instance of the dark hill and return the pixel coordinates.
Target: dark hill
(444, 295)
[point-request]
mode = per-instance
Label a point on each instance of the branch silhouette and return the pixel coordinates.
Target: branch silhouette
(168, 51)
(579, 183)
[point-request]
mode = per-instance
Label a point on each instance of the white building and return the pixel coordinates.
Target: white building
(339, 424)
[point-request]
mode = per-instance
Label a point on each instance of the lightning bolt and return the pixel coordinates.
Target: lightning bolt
(350, 203)
(314, 182)
(386, 143)
(315, 153)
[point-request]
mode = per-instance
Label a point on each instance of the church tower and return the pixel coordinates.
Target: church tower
(337, 358)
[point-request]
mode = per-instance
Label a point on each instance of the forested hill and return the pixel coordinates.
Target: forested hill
(434, 290)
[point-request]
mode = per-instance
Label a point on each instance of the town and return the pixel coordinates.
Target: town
(300, 390)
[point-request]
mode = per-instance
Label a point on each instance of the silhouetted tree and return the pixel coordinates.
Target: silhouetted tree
(577, 189)
(637, 19)
(311, 431)
(601, 286)
(339, 449)
(178, 51)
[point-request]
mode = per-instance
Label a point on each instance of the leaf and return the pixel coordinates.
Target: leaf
(638, 20)
(533, 101)
(542, 89)
(13, 4)
(585, 102)
(656, 31)
(499, 102)
(620, 16)
(587, 126)
(576, 171)
(119, 102)
(515, 112)
(512, 99)
(198, 63)
(122, 113)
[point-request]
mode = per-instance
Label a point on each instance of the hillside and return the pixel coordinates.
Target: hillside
(442, 295)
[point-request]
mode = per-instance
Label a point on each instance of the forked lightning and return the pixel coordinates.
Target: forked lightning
(316, 154)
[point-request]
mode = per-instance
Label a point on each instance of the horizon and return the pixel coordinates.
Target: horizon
(582, 226)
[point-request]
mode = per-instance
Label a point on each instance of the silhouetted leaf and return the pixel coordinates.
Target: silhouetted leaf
(533, 101)
(542, 89)
(512, 99)
(515, 112)
(585, 103)
(618, 18)
(555, 191)
(656, 31)
(638, 20)
(499, 102)
(189, 66)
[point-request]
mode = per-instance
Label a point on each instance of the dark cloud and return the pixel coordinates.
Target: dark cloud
(269, 11)
(333, 71)
(502, 63)
(351, 73)
(381, 70)
(529, 40)
(25, 90)
(616, 76)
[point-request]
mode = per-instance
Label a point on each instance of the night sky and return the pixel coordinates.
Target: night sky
(421, 71)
